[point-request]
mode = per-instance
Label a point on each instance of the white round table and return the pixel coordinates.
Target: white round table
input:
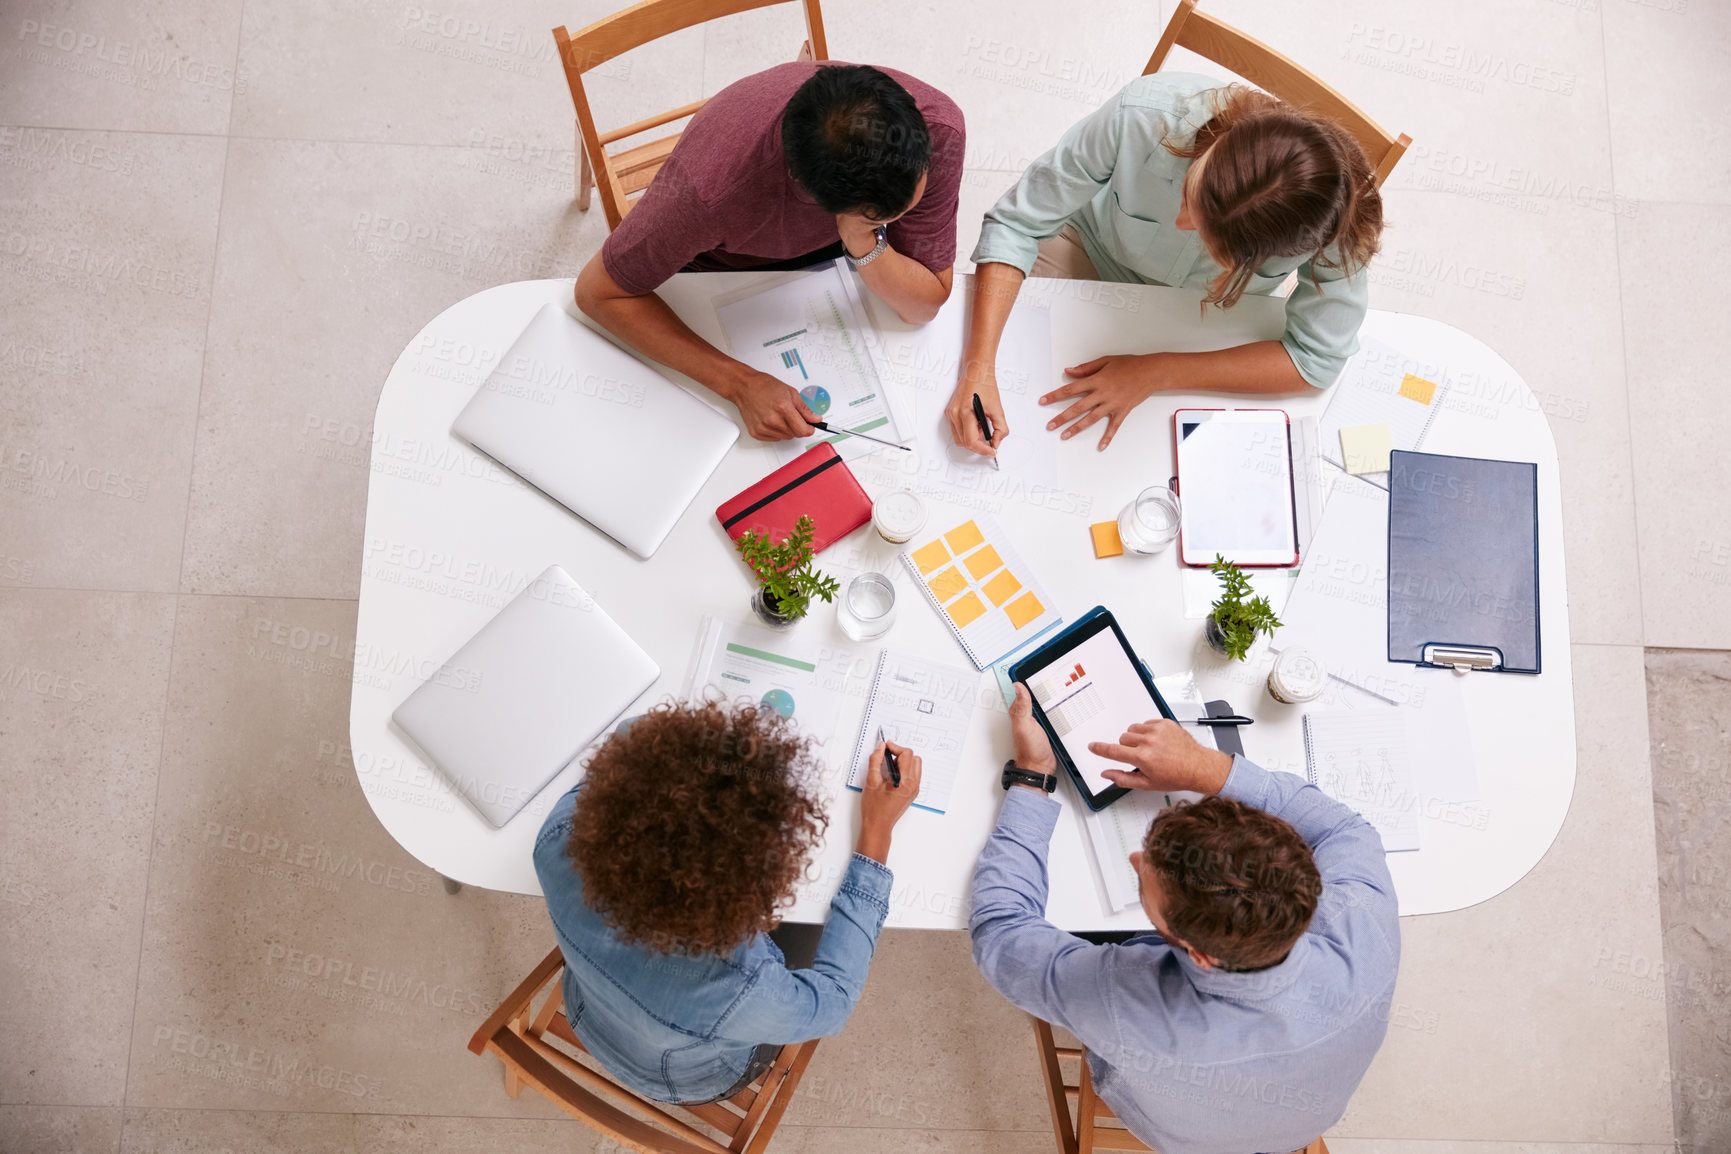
(451, 537)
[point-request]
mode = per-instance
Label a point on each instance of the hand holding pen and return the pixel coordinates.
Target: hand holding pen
(883, 801)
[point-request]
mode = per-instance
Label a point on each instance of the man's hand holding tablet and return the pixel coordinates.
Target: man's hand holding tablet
(1162, 756)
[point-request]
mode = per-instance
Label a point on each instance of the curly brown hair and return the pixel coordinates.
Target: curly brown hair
(694, 824)
(1238, 883)
(1279, 182)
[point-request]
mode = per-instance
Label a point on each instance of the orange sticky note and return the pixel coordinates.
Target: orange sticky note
(964, 537)
(1417, 389)
(929, 557)
(1024, 609)
(999, 588)
(966, 609)
(984, 562)
(947, 584)
(1107, 542)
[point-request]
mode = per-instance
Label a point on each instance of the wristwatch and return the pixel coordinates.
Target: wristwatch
(1016, 775)
(882, 233)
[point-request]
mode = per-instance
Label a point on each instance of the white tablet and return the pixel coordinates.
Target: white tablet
(1235, 487)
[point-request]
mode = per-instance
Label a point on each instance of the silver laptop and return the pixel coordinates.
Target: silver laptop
(514, 705)
(596, 429)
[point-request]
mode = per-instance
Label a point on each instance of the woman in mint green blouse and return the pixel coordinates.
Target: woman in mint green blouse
(1179, 181)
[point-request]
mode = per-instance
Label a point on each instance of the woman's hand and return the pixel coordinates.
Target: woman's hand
(881, 804)
(1105, 388)
(964, 429)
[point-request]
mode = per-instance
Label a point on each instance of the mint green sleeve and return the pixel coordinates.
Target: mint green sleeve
(1322, 320)
(1058, 183)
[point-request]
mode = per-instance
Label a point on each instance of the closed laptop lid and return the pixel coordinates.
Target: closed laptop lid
(596, 429)
(525, 695)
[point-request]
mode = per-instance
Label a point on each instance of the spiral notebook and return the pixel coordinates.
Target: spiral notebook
(1381, 386)
(1361, 757)
(982, 589)
(926, 706)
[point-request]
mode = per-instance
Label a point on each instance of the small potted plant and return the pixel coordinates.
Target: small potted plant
(1237, 617)
(786, 579)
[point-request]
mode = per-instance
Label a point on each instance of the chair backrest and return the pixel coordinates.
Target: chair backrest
(1280, 77)
(539, 1049)
(617, 177)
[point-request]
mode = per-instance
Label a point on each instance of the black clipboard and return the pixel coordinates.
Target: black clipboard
(1463, 562)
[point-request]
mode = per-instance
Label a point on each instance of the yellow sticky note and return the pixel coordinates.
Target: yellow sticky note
(966, 610)
(947, 584)
(999, 588)
(984, 562)
(1024, 609)
(1365, 448)
(964, 537)
(929, 557)
(1107, 542)
(1417, 389)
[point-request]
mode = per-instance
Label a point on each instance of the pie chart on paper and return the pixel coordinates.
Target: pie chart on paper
(779, 700)
(817, 397)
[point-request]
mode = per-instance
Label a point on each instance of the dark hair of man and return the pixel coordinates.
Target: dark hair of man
(695, 824)
(856, 141)
(1238, 884)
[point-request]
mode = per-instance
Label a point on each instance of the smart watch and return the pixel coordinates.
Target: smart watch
(1016, 775)
(882, 233)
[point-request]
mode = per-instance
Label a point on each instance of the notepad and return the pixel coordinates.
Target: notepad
(983, 589)
(1361, 757)
(1378, 387)
(926, 706)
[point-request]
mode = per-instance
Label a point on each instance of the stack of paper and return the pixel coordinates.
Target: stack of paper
(1361, 757)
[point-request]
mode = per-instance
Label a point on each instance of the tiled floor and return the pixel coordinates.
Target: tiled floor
(219, 223)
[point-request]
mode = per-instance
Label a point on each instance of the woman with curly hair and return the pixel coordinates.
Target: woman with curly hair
(1179, 181)
(664, 871)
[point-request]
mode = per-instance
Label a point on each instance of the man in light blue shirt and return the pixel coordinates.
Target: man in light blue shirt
(1181, 181)
(1247, 1019)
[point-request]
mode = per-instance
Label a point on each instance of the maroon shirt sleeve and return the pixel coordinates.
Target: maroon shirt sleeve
(928, 233)
(667, 227)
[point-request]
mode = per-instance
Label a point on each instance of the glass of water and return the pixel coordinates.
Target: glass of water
(867, 607)
(1148, 524)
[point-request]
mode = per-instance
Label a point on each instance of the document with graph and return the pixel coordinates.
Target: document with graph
(926, 706)
(1117, 831)
(810, 333)
(983, 589)
(805, 680)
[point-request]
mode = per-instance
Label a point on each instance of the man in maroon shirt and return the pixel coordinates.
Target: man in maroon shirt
(795, 166)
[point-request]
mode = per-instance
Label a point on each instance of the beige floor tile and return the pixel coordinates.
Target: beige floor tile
(162, 66)
(1523, 1006)
(294, 956)
(332, 258)
(82, 679)
(386, 1134)
(901, 1140)
(256, 1132)
(1689, 720)
(469, 73)
(1665, 69)
(60, 1129)
(1678, 414)
(930, 1047)
(106, 253)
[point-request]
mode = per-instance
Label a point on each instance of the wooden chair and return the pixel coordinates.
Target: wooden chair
(536, 1047)
(1212, 38)
(622, 175)
(1095, 1127)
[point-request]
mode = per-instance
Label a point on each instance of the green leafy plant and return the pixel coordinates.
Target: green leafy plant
(1239, 616)
(785, 571)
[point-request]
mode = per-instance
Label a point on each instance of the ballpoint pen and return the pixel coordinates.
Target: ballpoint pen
(985, 424)
(892, 764)
(1230, 720)
(825, 426)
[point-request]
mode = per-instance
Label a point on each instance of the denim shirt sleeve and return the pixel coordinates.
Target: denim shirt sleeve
(797, 1005)
(1053, 188)
(1040, 968)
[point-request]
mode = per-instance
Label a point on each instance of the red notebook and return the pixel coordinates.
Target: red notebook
(818, 484)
